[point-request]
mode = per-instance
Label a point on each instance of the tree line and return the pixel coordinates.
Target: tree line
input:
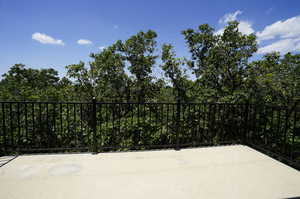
(221, 66)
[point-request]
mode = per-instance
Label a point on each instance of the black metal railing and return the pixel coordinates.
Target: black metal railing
(97, 127)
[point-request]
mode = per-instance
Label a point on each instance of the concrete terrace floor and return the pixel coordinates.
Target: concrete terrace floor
(213, 172)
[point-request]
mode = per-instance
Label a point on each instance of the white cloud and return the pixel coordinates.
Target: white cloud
(244, 27)
(230, 17)
(116, 26)
(285, 32)
(282, 46)
(84, 42)
(46, 39)
(101, 48)
(283, 29)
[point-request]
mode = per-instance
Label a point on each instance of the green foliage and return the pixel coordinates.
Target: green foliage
(276, 79)
(111, 81)
(219, 61)
(24, 84)
(174, 70)
(83, 81)
(138, 51)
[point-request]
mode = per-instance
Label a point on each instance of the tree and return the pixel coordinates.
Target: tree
(276, 78)
(83, 79)
(105, 79)
(110, 77)
(20, 83)
(219, 61)
(138, 51)
(173, 69)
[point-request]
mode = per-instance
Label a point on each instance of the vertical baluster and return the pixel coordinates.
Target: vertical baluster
(40, 124)
(195, 125)
(19, 125)
(223, 130)
(119, 131)
(116, 113)
(209, 122)
(238, 110)
(61, 119)
(188, 122)
(138, 109)
(11, 125)
(100, 127)
(199, 123)
(68, 119)
(139, 132)
(285, 130)
(144, 113)
(265, 124)
(81, 130)
(161, 119)
(33, 125)
(173, 121)
(216, 122)
(54, 124)
(48, 137)
(3, 125)
(75, 125)
(107, 120)
(156, 116)
(132, 107)
(178, 121)
(149, 110)
(114, 139)
(94, 125)
(278, 126)
(167, 120)
(253, 121)
(126, 120)
(257, 122)
(26, 125)
(294, 133)
(271, 125)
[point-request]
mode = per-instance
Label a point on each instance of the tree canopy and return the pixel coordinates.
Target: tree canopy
(222, 67)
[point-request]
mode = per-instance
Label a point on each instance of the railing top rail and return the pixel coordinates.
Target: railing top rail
(42, 102)
(99, 102)
(153, 103)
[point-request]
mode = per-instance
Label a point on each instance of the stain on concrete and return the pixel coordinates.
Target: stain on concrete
(28, 171)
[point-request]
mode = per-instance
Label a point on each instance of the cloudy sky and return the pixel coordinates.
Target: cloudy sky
(56, 33)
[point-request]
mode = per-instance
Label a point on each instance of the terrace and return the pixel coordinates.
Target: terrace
(222, 150)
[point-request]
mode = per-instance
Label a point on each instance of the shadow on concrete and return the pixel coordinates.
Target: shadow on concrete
(6, 159)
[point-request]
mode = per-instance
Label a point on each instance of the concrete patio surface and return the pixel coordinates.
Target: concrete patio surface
(213, 172)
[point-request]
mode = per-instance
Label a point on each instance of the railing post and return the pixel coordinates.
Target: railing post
(178, 109)
(94, 125)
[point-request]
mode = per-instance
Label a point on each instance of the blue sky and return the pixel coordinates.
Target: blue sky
(45, 33)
